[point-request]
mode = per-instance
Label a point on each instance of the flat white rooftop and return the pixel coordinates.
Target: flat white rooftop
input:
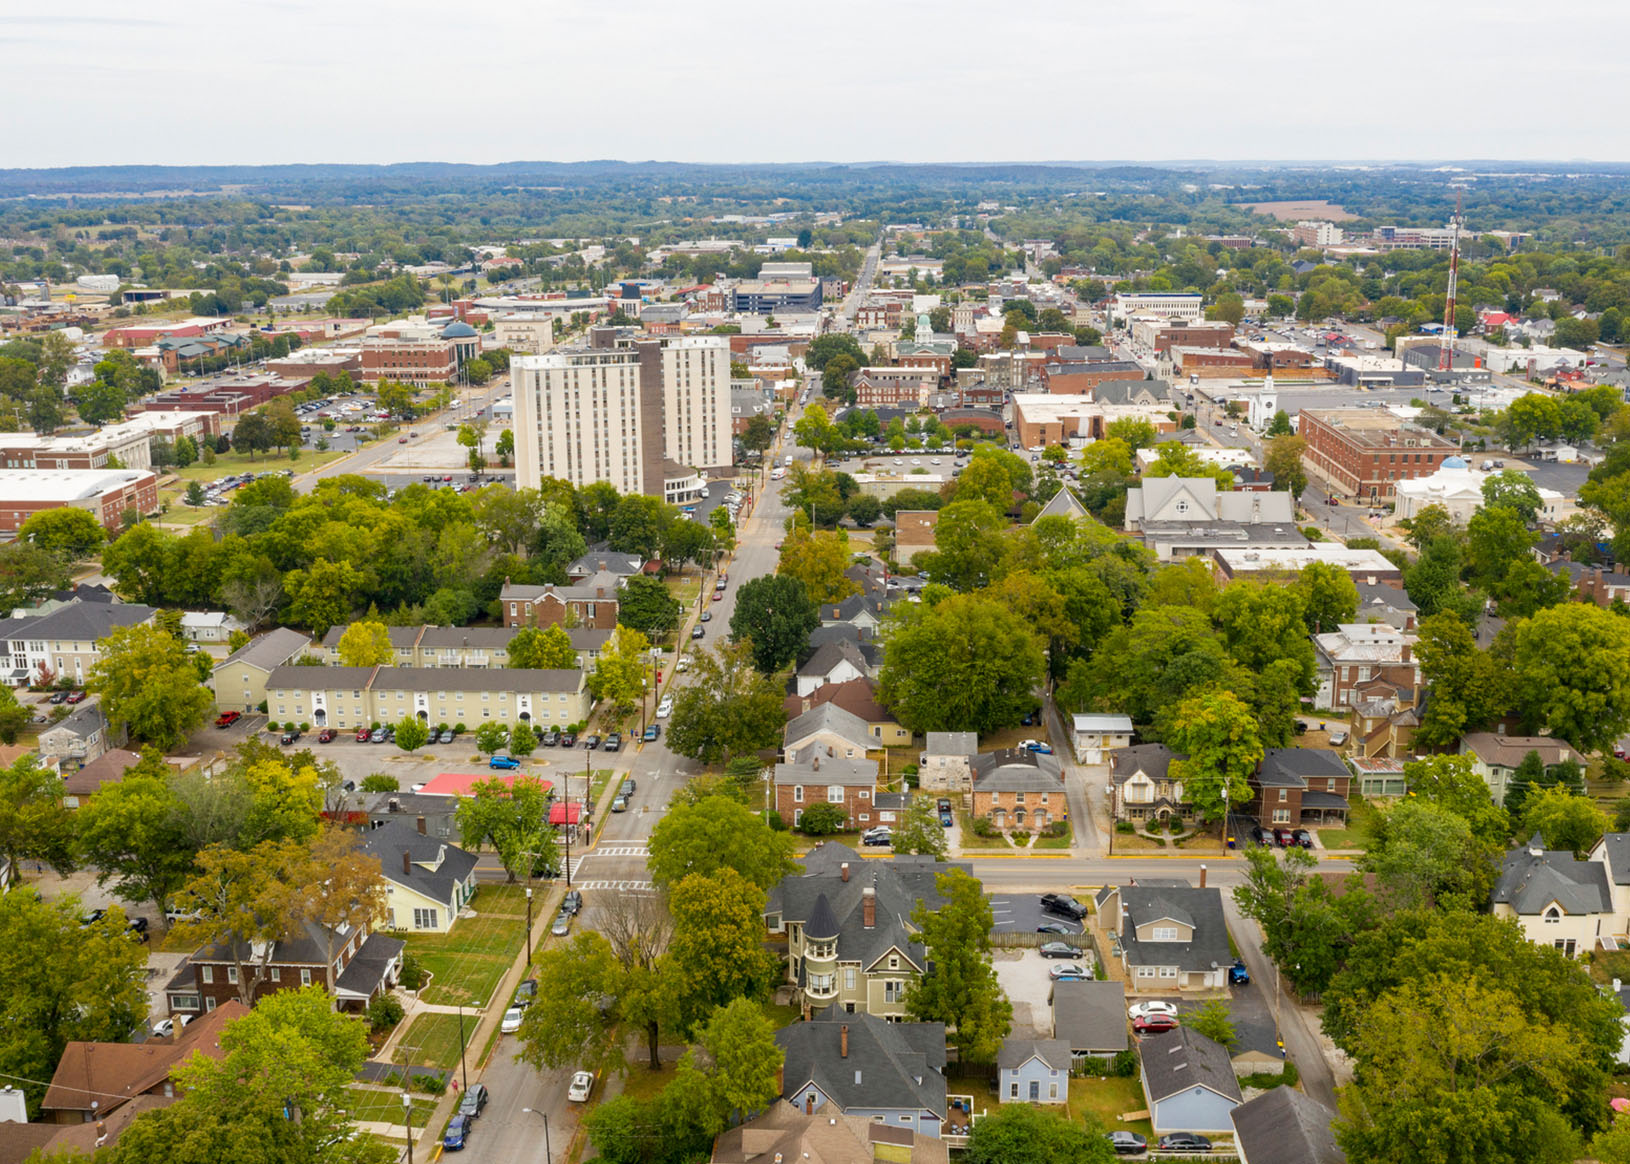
(64, 484)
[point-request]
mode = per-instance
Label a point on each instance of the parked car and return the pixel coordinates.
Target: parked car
(1238, 975)
(137, 928)
(707, 615)
(628, 787)
(512, 1020)
(1060, 950)
(619, 803)
(228, 718)
(164, 1028)
(1282, 838)
(59, 697)
(378, 736)
(582, 1083)
(363, 735)
(698, 632)
(1066, 970)
(572, 903)
(650, 733)
(563, 924)
(503, 762)
(1054, 928)
(1144, 1009)
(525, 993)
(1127, 1143)
(614, 743)
(666, 707)
(475, 1098)
(1260, 836)
(447, 736)
(568, 739)
(1063, 905)
(1154, 1024)
(290, 737)
(943, 807)
(882, 835)
(458, 1129)
(326, 736)
(592, 742)
(718, 596)
(1302, 837)
(1040, 747)
(1182, 1142)
(550, 738)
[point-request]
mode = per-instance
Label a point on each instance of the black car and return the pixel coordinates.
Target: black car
(614, 743)
(568, 739)
(1060, 950)
(698, 632)
(446, 736)
(290, 737)
(1054, 928)
(1183, 1142)
(137, 928)
(59, 697)
(475, 1098)
(572, 903)
(526, 992)
(1259, 836)
(92, 917)
(592, 742)
(1063, 905)
(1302, 837)
(1127, 1143)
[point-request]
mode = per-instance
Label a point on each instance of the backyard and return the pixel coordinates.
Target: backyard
(1107, 1100)
(466, 964)
(1362, 819)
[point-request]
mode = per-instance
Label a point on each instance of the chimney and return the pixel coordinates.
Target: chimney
(1202, 876)
(421, 826)
(599, 591)
(1404, 653)
(843, 1041)
(407, 861)
(843, 871)
(868, 908)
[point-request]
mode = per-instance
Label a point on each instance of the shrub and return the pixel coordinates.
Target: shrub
(1056, 828)
(428, 1084)
(304, 726)
(459, 729)
(777, 824)
(982, 827)
(261, 707)
(384, 1013)
(1125, 826)
(821, 820)
(413, 971)
(1125, 1064)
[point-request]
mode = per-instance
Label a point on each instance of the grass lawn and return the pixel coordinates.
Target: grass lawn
(1135, 842)
(385, 1107)
(972, 841)
(1342, 839)
(432, 1041)
(804, 844)
(643, 1083)
(781, 1016)
(467, 963)
(1107, 1099)
(235, 462)
(684, 588)
(1063, 842)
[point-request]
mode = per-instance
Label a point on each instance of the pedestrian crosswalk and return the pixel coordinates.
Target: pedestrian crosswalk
(616, 886)
(620, 849)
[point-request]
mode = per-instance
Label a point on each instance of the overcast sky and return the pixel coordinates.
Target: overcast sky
(102, 82)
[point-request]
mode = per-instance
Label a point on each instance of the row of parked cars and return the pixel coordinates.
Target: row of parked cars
(1282, 837)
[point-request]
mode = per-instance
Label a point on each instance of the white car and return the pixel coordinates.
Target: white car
(1145, 1009)
(582, 1084)
(666, 707)
(512, 1020)
(164, 1028)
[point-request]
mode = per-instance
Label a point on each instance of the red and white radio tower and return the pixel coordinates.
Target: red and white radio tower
(1446, 345)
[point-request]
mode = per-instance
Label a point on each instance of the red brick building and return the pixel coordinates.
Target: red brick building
(1199, 334)
(1081, 379)
(105, 493)
(594, 604)
(1189, 360)
(1364, 453)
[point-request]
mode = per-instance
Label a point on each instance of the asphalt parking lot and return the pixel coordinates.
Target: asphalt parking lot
(1022, 913)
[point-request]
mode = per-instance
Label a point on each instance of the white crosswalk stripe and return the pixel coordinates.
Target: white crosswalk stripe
(620, 849)
(618, 886)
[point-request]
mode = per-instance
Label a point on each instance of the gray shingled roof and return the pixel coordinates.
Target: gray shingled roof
(826, 717)
(1532, 877)
(1090, 1016)
(1294, 767)
(389, 841)
(1286, 1126)
(1055, 1053)
(1153, 759)
(1617, 846)
(824, 769)
(1016, 770)
(1177, 1060)
(952, 743)
(894, 1066)
(828, 655)
(82, 621)
(272, 649)
(900, 883)
(1200, 909)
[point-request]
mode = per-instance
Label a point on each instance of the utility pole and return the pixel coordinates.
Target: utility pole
(464, 1068)
(529, 923)
(407, 1119)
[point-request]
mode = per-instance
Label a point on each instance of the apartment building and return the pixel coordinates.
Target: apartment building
(1169, 304)
(63, 642)
(352, 697)
(1364, 453)
(644, 416)
(105, 493)
(475, 647)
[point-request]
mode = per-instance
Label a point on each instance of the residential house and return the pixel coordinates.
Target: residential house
(1557, 899)
(947, 765)
(1096, 736)
(1064, 503)
(1188, 1083)
(350, 697)
(1181, 517)
(1594, 583)
(81, 738)
(833, 662)
(1015, 788)
(1145, 788)
(865, 611)
(785, 1134)
(427, 880)
(94, 1080)
(859, 698)
(108, 768)
(826, 729)
(1360, 661)
(1378, 602)
(1172, 937)
(366, 965)
(914, 532)
(1285, 1126)
(602, 559)
(593, 603)
(53, 1141)
(209, 626)
(860, 1065)
(850, 941)
(1300, 786)
(819, 777)
(239, 680)
(1033, 1071)
(434, 816)
(1089, 1017)
(62, 644)
(1496, 757)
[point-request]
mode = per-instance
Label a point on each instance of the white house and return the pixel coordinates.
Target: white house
(1098, 735)
(210, 626)
(427, 881)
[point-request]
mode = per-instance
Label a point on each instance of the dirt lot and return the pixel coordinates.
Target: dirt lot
(1024, 978)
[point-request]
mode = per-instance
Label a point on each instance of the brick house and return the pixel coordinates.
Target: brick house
(1366, 661)
(818, 777)
(1364, 453)
(1300, 786)
(1017, 788)
(366, 966)
(594, 603)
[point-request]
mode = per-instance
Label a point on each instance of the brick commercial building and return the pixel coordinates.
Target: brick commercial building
(910, 391)
(1364, 453)
(1189, 361)
(1163, 335)
(308, 362)
(1053, 420)
(1079, 379)
(131, 441)
(105, 493)
(229, 396)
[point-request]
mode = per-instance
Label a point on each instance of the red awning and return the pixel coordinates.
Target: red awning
(560, 814)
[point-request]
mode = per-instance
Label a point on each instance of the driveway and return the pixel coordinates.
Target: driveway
(1022, 913)
(1024, 976)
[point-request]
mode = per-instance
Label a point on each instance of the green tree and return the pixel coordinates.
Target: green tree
(1262, 624)
(984, 480)
(523, 741)
(918, 829)
(639, 524)
(647, 606)
(1214, 1020)
(1329, 596)
(568, 1023)
(742, 1072)
(1564, 818)
(64, 982)
(412, 734)
(729, 708)
(818, 560)
(1423, 853)
(148, 682)
(717, 954)
(1219, 734)
(13, 716)
(1495, 538)
(1024, 1134)
(1572, 668)
(1515, 490)
(366, 643)
(1307, 929)
(1283, 458)
(774, 615)
(381, 782)
(244, 900)
(253, 434)
(965, 664)
(716, 833)
(514, 819)
(1451, 782)
(73, 534)
(824, 347)
(133, 833)
(100, 402)
(960, 988)
(27, 573)
(1432, 581)
(34, 824)
(620, 670)
(543, 649)
(323, 594)
(1230, 307)
(490, 737)
(1469, 688)
(759, 434)
(970, 549)
(1149, 664)
(1280, 425)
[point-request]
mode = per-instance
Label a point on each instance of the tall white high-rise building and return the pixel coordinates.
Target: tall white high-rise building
(647, 417)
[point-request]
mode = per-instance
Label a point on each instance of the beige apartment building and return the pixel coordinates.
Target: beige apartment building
(353, 697)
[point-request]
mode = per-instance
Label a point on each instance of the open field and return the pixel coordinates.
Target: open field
(1295, 211)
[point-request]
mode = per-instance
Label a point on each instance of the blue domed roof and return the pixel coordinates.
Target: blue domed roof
(1454, 463)
(458, 329)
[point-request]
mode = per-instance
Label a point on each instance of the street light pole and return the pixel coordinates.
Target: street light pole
(407, 1119)
(548, 1156)
(529, 926)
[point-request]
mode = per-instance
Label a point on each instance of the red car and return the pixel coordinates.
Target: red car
(75, 697)
(326, 735)
(362, 735)
(228, 718)
(718, 596)
(1154, 1024)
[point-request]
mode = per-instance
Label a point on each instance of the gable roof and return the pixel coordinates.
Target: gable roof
(828, 655)
(1294, 767)
(1016, 770)
(817, 768)
(1090, 1015)
(1177, 1060)
(1286, 1126)
(1015, 1053)
(1152, 759)
(1199, 909)
(893, 1066)
(952, 743)
(271, 650)
(1064, 503)
(83, 621)
(1510, 751)
(823, 718)
(110, 1074)
(107, 768)
(857, 696)
(436, 866)
(785, 1133)
(1530, 881)
(1615, 847)
(87, 719)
